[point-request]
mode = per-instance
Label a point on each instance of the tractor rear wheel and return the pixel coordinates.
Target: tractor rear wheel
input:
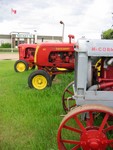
(32, 67)
(53, 76)
(86, 127)
(21, 66)
(39, 80)
(68, 101)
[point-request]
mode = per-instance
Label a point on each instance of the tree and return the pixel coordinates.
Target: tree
(108, 34)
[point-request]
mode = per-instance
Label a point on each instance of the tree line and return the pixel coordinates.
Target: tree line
(108, 34)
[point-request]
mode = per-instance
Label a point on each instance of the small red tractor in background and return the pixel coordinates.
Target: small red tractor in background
(26, 57)
(89, 99)
(51, 59)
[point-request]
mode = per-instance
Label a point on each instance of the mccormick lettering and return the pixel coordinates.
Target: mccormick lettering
(102, 49)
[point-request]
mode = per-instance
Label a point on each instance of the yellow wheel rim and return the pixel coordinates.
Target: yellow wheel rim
(30, 68)
(39, 82)
(20, 67)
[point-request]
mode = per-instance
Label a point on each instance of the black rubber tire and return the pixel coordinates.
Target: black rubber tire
(21, 61)
(36, 73)
(32, 68)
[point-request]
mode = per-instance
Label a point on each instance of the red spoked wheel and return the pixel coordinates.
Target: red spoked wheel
(68, 101)
(87, 127)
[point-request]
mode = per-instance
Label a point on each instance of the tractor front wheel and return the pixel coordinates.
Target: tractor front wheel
(87, 127)
(21, 66)
(68, 101)
(39, 80)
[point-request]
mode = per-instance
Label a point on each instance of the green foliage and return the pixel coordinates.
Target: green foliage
(5, 45)
(29, 119)
(108, 34)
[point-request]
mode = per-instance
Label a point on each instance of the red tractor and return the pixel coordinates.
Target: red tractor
(26, 57)
(51, 59)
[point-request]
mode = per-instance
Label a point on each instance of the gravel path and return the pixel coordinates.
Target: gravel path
(9, 56)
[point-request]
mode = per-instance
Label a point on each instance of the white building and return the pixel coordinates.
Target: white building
(16, 38)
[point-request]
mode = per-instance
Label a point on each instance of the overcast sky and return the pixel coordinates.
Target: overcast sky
(81, 17)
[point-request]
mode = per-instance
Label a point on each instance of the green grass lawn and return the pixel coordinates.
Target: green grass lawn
(29, 119)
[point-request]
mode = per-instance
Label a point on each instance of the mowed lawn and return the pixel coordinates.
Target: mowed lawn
(29, 119)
